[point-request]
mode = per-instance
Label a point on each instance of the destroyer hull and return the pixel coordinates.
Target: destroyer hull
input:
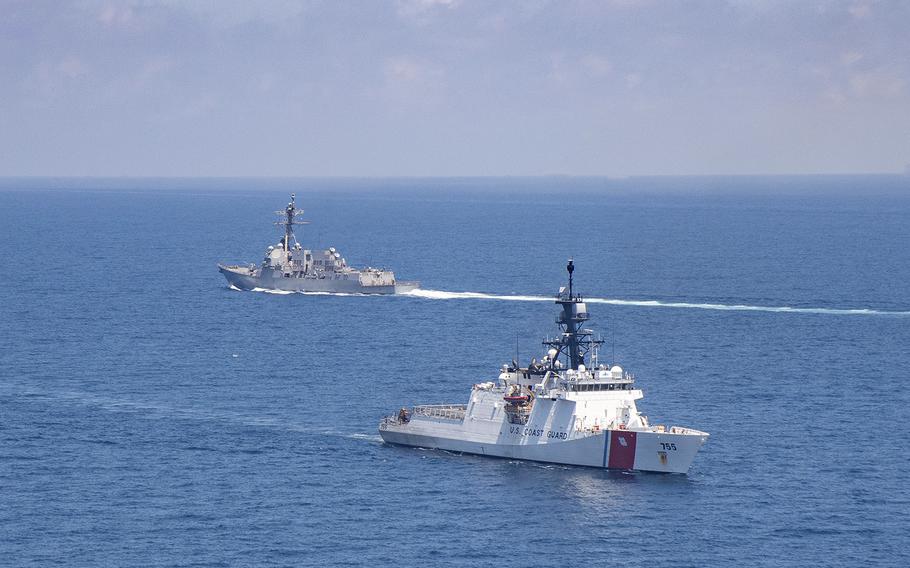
(244, 279)
(641, 450)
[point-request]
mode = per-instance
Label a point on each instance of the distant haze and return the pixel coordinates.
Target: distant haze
(453, 88)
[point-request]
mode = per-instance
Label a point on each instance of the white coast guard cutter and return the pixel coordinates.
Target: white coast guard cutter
(559, 410)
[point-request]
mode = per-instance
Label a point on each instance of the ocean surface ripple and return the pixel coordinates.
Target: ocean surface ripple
(151, 416)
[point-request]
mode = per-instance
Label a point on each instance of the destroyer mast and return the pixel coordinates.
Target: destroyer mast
(287, 219)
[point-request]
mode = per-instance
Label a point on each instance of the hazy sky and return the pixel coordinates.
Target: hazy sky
(449, 87)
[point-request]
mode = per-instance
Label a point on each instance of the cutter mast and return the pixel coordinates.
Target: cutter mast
(574, 342)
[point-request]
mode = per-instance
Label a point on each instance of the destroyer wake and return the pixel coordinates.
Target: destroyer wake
(443, 295)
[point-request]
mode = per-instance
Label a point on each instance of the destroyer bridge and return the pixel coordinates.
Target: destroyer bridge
(568, 408)
(288, 266)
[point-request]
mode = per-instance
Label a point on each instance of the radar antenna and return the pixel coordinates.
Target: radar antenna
(574, 342)
(287, 219)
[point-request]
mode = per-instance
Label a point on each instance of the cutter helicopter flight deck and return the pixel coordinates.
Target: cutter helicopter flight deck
(568, 408)
(289, 267)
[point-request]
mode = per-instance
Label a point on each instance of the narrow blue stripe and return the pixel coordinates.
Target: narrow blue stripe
(606, 442)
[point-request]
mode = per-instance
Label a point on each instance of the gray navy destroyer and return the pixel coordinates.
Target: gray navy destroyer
(290, 267)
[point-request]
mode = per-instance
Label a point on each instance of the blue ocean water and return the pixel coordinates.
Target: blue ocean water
(151, 416)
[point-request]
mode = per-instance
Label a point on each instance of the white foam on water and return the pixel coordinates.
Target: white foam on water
(443, 295)
(446, 295)
(272, 291)
(366, 437)
(303, 292)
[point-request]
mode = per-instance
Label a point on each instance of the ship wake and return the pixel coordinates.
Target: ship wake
(446, 295)
(443, 295)
(290, 292)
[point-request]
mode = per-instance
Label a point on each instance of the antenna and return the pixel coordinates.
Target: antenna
(287, 218)
(613, 341)
(594, 357)
(575, 341)
(517, 357)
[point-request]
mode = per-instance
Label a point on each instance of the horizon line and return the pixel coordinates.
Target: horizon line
(459, 176)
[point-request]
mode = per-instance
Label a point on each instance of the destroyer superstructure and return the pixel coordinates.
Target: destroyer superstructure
(567, 408)
(288, 266)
